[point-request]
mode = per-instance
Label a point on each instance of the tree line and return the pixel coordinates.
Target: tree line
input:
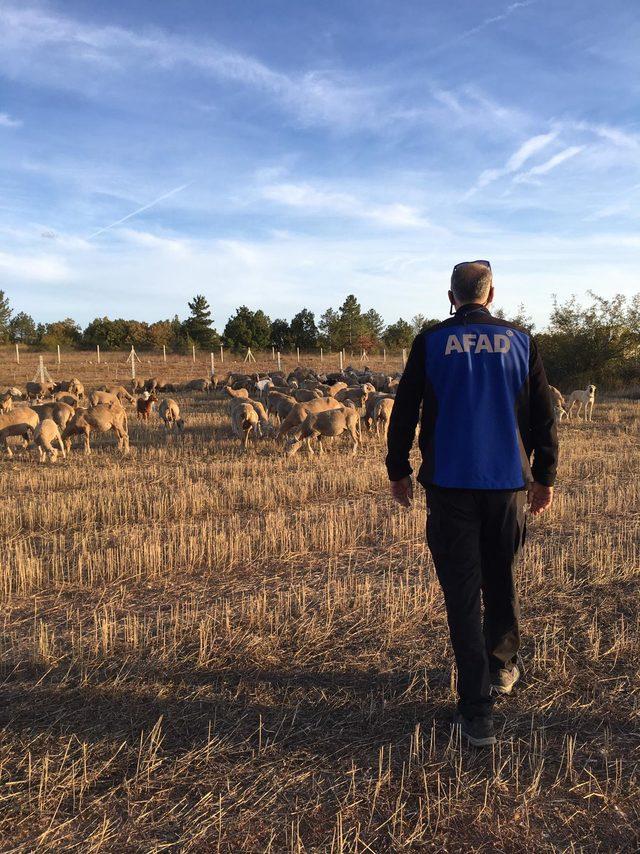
(598, 342)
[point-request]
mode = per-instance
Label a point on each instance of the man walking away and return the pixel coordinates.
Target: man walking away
(488, 443)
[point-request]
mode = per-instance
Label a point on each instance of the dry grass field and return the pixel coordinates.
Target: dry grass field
(204, 650)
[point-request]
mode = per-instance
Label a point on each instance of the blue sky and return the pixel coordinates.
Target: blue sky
(286, 153)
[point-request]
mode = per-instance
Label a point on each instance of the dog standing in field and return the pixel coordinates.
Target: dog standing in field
(584, 398)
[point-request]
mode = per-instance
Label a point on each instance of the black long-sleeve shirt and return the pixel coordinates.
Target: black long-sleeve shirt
(486, 407)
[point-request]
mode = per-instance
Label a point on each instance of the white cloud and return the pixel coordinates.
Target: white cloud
(551, 163)
(39, 268)
(310, 199)
(528, 148)
(29, 36)
(7, 121)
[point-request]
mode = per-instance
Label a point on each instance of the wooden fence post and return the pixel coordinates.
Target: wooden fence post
(17, 355)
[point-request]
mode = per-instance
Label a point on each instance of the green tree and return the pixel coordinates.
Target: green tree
(199, 325)
(5, 317)
(372, 329)
(304, 333)
(521, 318)
(419, 323)
(22, 329)
(62, 333)
(248, 329)
(351, 324)
(280, 334)
(399, 335)
(329, 329)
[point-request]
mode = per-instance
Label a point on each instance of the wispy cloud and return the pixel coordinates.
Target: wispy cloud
(526, 150)
(7, 121)
(483, 25)
(34, 267)
(139, 210)
(28, 35)
(551, 163)
(308, 198)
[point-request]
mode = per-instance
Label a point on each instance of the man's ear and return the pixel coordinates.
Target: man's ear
(452, 299)
(490, 297)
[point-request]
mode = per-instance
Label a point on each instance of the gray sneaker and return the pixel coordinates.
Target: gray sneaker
(503, 680)
(478, 731)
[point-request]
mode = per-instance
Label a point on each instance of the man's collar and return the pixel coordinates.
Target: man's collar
(468, 307)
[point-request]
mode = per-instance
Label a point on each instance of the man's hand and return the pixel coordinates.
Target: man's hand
(402, 491)
(540, 497)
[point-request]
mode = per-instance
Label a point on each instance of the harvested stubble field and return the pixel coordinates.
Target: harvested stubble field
(205, 650)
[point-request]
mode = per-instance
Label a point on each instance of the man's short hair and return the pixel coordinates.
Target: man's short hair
(471, 281)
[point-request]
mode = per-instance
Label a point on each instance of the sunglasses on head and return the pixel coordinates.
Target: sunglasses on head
(465, 263)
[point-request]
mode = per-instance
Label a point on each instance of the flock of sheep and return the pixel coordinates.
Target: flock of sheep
(302, 407)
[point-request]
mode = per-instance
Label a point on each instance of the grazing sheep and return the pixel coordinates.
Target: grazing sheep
(37, 391)
(14, 391)
(238, 393)
(265, 428)
(584, 398)
(104, 398)
(334, 388)
(73, 386)
(202, 384)
(263, 386)
(244, 420)
(67, 397)
(355, 393)
(58, 412)
(303, 395)
(21, 421)
(99, 419)
(120, 392)
(6, 402)
(279, 405)
(382, 415)
(329, 423)
(46, 433)
(299, 412)
(169, 411)
(144, 406)
(369, 407)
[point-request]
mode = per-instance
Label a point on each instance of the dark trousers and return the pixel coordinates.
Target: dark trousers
(475, 537)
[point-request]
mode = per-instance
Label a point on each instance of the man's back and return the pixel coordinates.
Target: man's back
(486, 406)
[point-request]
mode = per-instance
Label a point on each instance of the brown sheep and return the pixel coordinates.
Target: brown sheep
(104, 398)
(37, 391)
(21, 421)
(120, 392)
(329, 423)
(303, 395)
(169, 411)
(382, 415)
(244, 421)
(46, 433)
(369, 407)
(99, 419)
(67, 397)
(357, 394)
(6, 402)
(73, 386)
(202, 384)
(237, 393)
(58, 412)
(279, 405)
(299, 412)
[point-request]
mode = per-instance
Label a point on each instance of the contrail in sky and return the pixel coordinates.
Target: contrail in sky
(139, 210)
